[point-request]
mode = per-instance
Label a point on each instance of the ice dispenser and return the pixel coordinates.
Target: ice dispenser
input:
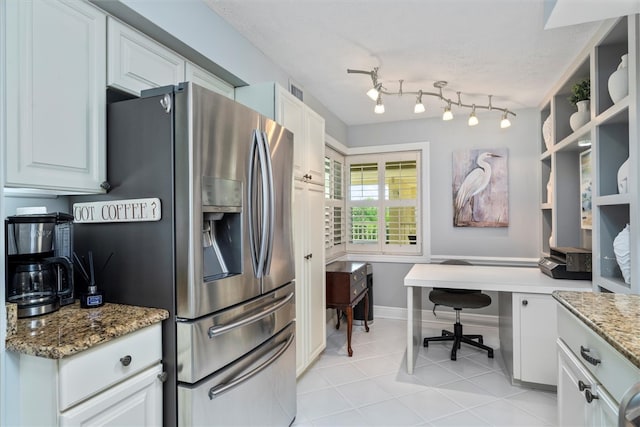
(221, 242)
(221, 227)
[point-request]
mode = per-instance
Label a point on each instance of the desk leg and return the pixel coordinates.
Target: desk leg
(366, 310)
(349, 327)
(414, 325)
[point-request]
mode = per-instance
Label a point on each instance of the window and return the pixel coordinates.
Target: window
(334, 215)
(384, 203)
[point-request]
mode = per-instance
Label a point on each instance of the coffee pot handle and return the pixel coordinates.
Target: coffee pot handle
(68, 272)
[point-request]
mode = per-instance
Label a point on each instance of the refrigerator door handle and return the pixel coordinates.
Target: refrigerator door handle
(217, 330)
(272, 208)
(222, 388)
(257, 243)
(250, 196)
(265, 203)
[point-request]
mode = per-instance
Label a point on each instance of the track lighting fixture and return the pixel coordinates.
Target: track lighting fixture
(505, 122)
(473, 119)
(379, 108)
(419, 107)
(377, 90)
(447, 115)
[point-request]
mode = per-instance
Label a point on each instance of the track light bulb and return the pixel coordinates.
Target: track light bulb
(373, 93)
(419, 107)
(379, 108)
(473, 119)
(505, 122)
(447, 115)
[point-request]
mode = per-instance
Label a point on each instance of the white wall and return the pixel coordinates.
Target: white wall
(519, 240)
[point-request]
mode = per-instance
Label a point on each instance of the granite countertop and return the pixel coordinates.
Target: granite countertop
(72, 329)
(614, 317)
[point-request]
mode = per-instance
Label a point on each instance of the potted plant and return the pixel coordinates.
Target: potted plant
(580, 96)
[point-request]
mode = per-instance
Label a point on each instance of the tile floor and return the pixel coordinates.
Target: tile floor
(372, 388)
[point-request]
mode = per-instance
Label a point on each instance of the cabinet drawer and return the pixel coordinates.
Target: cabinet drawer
(94, 370)
(358, 287)
(612, 370)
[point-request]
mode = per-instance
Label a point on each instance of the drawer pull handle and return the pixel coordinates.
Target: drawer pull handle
(584, 353)
(126, 361)
(590, 396)
(582, 386)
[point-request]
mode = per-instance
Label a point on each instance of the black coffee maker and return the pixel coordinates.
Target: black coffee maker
(39, 273)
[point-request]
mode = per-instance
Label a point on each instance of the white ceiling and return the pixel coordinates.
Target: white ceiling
(479, 47)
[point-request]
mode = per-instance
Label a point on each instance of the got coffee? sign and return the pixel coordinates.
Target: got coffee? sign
(131, 210)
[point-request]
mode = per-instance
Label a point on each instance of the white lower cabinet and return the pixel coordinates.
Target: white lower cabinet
(118, 383)
(134, 402)
(582, 401)
(528, 335)
(534, 349)
(593, 376)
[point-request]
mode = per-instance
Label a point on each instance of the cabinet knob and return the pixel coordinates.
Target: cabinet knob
(126, 360)
(525, 303)
(582, 386)
(163, 376)
(590, 396)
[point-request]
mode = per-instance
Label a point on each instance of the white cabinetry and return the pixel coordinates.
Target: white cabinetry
(528, 332)
(592, 375)
(613, 132)
(534, 351)
(55, 106)
(201, 77)
(135, 62)
(308, 228)
(582, 401)
(117, 383)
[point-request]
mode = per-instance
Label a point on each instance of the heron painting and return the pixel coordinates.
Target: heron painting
(480, 188)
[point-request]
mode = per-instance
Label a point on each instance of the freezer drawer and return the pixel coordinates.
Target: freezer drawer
(257, 390)
(212, 342)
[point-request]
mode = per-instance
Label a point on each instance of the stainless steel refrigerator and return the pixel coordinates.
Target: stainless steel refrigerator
(220, 258)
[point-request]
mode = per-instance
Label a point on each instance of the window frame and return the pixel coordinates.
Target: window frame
(380, 247)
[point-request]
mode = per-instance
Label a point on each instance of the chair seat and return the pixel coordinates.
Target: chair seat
(459, 300)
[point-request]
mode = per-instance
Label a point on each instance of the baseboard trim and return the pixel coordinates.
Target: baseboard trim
(442, 318)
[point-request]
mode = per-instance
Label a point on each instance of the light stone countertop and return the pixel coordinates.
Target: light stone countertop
(614, 317)
(72, 329)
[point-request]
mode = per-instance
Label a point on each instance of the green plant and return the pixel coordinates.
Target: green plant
(580, 91)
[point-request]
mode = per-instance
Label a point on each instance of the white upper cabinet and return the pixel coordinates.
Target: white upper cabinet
(136, 63)
(55, 86)
(203, 78)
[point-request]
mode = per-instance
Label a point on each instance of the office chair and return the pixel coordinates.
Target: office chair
(459, 299)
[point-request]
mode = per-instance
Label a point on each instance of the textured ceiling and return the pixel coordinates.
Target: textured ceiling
(479, 47)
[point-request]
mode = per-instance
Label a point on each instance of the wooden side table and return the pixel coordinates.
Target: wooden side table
(346, 286)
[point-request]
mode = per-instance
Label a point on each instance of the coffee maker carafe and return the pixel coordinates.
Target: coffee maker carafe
(39, 270)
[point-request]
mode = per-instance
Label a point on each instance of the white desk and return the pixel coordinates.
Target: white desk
(486, 278)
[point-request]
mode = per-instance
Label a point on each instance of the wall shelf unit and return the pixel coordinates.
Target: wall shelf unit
(613, 132)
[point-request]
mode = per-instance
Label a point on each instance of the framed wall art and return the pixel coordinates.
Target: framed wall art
(480, 188)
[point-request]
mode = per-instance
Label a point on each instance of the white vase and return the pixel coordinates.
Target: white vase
(623, 177)
(580, 117)
(618, 83)
(550, 188)
(546, 132)
(623, 256)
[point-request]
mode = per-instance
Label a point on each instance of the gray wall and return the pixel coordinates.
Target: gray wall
(519, 240)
